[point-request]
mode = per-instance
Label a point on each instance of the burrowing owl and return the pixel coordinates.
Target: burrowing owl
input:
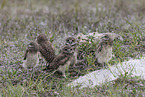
(31, 55)
(71, 41)
(104, 48)
(46, 48)
(62, 61)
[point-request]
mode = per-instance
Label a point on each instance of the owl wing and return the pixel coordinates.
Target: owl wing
(59, 60)
(25, 55)
(63, 61)
(47, 51)
(99, 47)
(45, 47)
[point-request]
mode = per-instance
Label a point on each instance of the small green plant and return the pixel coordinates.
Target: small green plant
(91, 60)
(88, 47)
(3, 4)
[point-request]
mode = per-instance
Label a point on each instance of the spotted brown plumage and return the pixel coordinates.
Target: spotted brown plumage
(46, 48)
(71, 41)
(62, 61)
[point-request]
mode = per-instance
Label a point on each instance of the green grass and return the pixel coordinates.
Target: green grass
(22, 21)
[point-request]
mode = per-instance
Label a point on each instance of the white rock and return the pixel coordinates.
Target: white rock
(136, 67)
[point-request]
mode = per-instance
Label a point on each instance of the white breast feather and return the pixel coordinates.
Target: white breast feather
(105, 55)
(31, 61)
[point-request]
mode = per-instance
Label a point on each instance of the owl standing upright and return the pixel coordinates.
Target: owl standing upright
(31, 56)
(104, 48)
(46, 48)
(62, 61)
(71, 41)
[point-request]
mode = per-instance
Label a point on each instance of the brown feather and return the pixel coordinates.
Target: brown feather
(62, 60)
(46, 48)
(59, 60)
(71, 41)
(25, 55)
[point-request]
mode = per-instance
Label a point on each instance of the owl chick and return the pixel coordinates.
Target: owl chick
(104, 48)
(46, 49)
(71, 41)
(31, 56)
(62, 61)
